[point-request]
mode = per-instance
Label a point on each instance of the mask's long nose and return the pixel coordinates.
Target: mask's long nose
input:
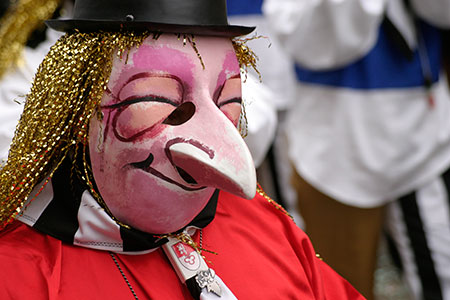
(224, 163)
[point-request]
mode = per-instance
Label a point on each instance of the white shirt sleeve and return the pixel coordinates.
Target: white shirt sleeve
(436, 12)
(13, 87)
(323, 34)
(261, 117)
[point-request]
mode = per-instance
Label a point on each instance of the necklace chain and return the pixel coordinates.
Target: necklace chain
(123, 275)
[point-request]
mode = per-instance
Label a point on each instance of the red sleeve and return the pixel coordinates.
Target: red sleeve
(27, 274)
(324, 281)
(335, 287)
(256, 239)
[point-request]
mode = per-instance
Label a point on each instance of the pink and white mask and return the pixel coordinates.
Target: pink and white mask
(168, 138)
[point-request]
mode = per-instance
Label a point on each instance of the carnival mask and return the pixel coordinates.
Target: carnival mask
(168, 136)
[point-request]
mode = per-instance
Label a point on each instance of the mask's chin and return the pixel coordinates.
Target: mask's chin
(152, 216)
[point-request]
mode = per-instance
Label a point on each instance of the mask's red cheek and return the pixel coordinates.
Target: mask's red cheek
(232, 111)
(139, 118)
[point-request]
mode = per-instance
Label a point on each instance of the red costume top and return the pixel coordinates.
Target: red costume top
(262, 254)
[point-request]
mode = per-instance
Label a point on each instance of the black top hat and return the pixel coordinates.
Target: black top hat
(4, 5)
(203, 17)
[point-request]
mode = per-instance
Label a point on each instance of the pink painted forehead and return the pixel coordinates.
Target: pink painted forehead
(230, 68)
(161, 60)
(170, 56)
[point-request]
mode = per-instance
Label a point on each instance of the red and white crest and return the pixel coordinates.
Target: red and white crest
(187, 256)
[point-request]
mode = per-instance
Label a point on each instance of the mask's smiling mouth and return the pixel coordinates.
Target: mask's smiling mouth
(145, 166)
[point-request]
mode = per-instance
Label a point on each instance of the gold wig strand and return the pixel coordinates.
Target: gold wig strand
(17, 25)
(246, 57)
(67, 89)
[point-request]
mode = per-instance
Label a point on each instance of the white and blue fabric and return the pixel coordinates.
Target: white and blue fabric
(370, 125)
(274, 95)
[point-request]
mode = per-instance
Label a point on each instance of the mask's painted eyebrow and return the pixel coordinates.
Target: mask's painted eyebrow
(234, 100)
(144, 75)
(134, 100)
(219, 90)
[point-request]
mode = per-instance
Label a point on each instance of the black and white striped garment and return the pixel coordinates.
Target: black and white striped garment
(66, 210)
(419, 224)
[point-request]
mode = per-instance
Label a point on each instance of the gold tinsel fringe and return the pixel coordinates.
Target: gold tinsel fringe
(260, 191)
(19, 22)
(246, 57)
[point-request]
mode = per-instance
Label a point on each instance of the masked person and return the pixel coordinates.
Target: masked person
(126, 176)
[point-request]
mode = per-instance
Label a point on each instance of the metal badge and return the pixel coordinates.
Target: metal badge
(207, 279)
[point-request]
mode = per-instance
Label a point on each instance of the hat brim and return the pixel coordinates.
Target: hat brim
(105, 25)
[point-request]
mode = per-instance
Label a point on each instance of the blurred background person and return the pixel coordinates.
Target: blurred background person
(369, 133)
(275, 91)
(24, 41)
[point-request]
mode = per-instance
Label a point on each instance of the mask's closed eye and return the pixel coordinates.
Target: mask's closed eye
(230, 100)
(145, 101)
(136, 119)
